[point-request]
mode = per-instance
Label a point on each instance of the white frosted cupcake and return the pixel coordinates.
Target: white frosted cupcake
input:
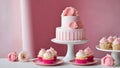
(40, 54)
(81, 57)
(104, 44)
(48, 58)
(54, 53)
(116, 44)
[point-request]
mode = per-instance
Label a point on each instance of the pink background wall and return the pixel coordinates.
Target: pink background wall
(100, 18)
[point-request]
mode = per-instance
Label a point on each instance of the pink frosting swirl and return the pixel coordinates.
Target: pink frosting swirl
(12, 56)
(70, 11)
(88, 51)
(116, 41)
(110, 39)
(73, 25)
(104, 40)
(107, 60)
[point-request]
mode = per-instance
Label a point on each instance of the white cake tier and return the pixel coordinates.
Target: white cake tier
(66, 20)
(69, 34)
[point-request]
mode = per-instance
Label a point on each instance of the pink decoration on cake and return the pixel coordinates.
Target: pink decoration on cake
(69, 11)
(13, 56)
(73, 25)
(107, 60)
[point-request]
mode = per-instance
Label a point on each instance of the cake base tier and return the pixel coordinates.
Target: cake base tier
(69, 34)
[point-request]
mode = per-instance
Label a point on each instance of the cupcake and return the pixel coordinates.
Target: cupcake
(81, 57)
(40, 54)
(104, 44)
(89, 53)
(54, 53)
(13, 57)
(110, 40)
(107, 60)
(23, 57)
(48, 58)
(116, 44)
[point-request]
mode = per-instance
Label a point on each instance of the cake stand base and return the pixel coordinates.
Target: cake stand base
(114, 54)
(70, 47)
(70, 53)
(116, 58)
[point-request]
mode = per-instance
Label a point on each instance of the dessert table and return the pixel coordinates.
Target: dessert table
(4, 63)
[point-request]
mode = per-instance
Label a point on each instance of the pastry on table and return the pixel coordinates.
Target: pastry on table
(23, 57)
(13, 56)
(107, 60)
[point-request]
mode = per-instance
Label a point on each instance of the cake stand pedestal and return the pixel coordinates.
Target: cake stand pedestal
(70, 47)
(114, 54)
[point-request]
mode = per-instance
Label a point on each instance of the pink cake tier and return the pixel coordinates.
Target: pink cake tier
(69, 34)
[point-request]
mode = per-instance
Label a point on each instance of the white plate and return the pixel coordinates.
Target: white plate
(70, 42)
(98, 48)
(88, 63)
(58, 62)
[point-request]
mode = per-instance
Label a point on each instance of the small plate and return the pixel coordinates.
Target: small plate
(88, 63)
(58, 62)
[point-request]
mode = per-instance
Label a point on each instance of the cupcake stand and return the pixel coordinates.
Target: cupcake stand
(114, 54)
(70, 47)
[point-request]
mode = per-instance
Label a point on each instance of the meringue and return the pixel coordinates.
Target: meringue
(107, 60)
(23, 57)
(12, 56)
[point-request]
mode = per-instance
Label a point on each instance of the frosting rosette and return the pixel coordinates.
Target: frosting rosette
(80, 55)
(41, 52)
(70, 11)
(107, 60)
(48, 55)
(104, 40)
(88, 51)
(12, 56)
(73, 25)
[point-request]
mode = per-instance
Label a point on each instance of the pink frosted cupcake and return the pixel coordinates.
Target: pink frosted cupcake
(110, 40)
(89, 53)
(104, 44)
(54, 53)
(40, 54)
(48, 58)
(81, 57)
(107, 60)
(116, 44)
(13, 56)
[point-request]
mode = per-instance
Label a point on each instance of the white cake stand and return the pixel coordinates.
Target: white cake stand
(114, 54)
(70, 46)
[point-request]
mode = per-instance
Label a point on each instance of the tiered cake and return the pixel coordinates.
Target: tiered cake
(71, 28)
